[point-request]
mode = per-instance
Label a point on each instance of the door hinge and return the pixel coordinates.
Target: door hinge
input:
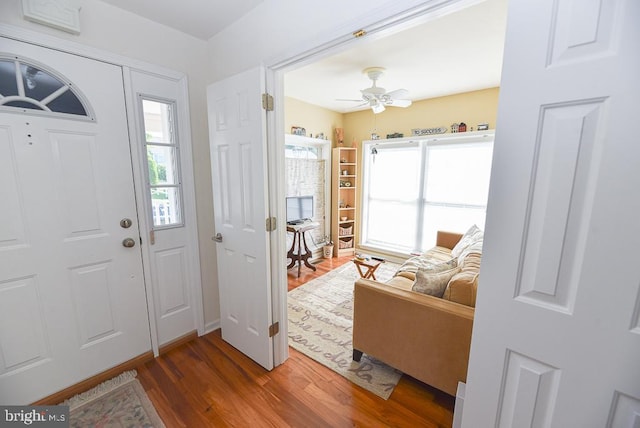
(274, 329)
(270, 224)
(267, 102)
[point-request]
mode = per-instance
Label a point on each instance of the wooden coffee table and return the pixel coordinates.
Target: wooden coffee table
(370, 266)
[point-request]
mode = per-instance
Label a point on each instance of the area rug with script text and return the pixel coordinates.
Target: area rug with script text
(320, 326)
(120, 402)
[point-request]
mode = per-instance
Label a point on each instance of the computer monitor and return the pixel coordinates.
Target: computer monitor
(299, 208)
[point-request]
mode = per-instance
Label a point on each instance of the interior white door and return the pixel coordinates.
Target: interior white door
(72, 297)
(237, 128)
(556, 340)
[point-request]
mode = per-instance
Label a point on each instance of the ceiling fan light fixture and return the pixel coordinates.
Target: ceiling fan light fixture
(377, 108)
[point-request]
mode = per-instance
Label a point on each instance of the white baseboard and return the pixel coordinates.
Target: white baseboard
(211, 326)
(457, 411)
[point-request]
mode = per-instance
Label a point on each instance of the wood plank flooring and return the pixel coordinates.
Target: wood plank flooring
(207, 382)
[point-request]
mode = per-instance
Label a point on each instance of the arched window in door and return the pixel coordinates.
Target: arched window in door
(30, 87)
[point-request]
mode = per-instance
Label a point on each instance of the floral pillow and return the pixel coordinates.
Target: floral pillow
(433, 283)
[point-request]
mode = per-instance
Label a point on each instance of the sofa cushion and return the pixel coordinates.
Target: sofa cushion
(433, 283)
(463, 286)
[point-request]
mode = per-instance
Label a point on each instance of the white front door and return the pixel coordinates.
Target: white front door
(237, 129)
(556, 337)
(72, 296)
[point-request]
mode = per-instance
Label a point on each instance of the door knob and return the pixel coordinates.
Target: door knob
(128, 242)
(218, 237)
(126, 223)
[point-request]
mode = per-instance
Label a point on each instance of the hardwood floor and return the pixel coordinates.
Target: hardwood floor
(207, 382)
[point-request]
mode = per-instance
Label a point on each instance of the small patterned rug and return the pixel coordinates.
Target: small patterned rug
(120, 402)
(320, 323)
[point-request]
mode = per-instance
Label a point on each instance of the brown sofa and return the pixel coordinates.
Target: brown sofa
(421, 335)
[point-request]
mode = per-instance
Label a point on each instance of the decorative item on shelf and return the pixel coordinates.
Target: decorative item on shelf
(297, 130)
(462, 127)
(455, 127)
(341, 204)
(345, 183)
(320, 136)
(375, 136)
(483, 127)
(344, 218)
(395, 135)
(345, 172)
(429, 131)
(343, 160)
(340, 136)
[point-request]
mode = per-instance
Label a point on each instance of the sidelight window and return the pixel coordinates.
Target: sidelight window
(162, 151)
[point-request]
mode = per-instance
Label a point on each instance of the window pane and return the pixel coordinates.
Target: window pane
(458, 174)
(450, 219)
(392, 199)
(392, 225)
(165, 205)
(67, 103)
(157, 122)
(8, 85)
(162, 161)
(395, 174)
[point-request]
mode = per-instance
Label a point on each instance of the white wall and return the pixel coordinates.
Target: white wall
(111, 29)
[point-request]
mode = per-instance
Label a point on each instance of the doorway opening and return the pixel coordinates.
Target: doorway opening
(295, 70)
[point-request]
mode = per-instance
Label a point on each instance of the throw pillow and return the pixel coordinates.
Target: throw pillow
(474, 247)
(416, 263)
(472, 235)
(433, 283)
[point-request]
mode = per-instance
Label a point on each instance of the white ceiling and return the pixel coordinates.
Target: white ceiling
(457, 53)
(200, 18)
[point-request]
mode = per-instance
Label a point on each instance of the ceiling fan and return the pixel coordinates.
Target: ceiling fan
(377, 98)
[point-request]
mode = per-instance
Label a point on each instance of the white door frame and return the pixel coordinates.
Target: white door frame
(382, 23)
(129, 64)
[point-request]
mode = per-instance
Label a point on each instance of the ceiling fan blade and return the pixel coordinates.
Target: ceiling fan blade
(399, 103)
(348, 99)
(398, 93)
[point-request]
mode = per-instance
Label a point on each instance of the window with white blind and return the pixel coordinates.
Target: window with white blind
(412, 189)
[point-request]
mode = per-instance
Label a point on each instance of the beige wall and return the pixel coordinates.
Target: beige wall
(312, 118)
(471, 108)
